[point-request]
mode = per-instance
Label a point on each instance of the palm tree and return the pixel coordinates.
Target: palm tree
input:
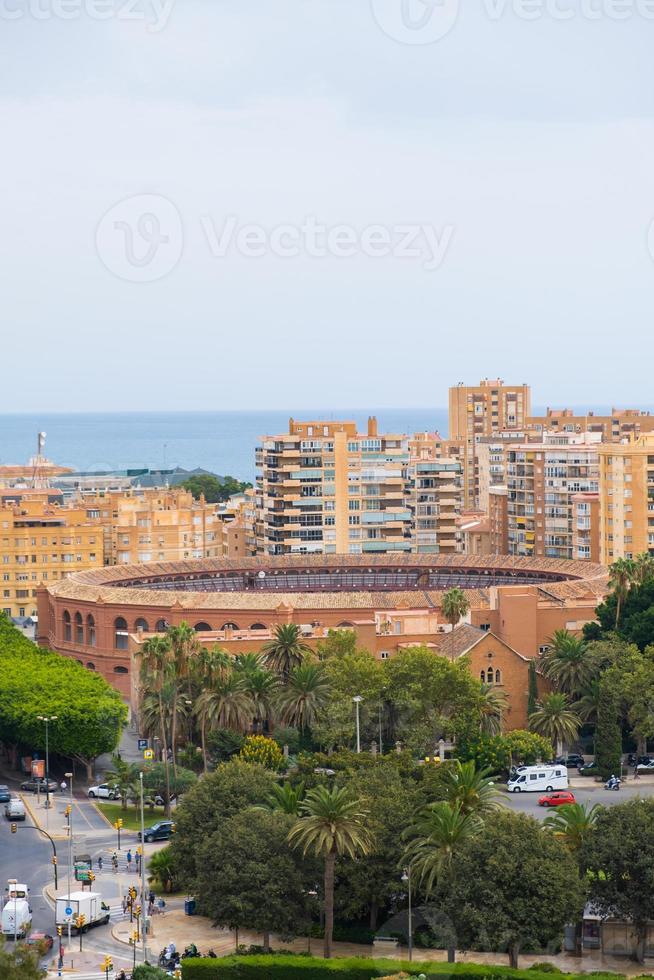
(124, 775)
(155, 654)
(184, 644)
(161, 868)
(284, 799)
(494, 702)
(587, 705)
(249, 662)
(566, 662)
(305, 695)
(332, 824)
(226, 704)
(554, 719)
(573, 822)
(286, 650)
(621, 575)
(643, 568)
(455, 605)
(262, 687)
(470, 789)
(434, 839)
(211, 663)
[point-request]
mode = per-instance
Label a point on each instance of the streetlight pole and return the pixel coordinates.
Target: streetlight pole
(144, 929)
(406, 877)
(69, 777)
(47, 721)
(357, 701)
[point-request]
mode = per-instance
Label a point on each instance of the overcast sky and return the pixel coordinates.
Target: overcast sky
(324, 202)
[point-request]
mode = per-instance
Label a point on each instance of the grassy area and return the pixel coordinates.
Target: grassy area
(131, 817)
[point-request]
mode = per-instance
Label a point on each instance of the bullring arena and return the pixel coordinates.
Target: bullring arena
(100, 617)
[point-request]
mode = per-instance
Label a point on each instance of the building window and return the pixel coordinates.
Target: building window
(68, 632)
(120, 634)
(90, 666)
(230, 626)
(142, 624)
(120, 670)
(258, 626)
(384, 655)
(90, 631)
(498, 676)
(161, 626)
(79, 628)
(202, 627)
(483, 676)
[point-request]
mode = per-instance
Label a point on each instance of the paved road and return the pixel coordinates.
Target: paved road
(593, 793)
(26, 855)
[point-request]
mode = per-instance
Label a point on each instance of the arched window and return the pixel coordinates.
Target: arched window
(258, 626)
(142, 624)
(202, 627)
(120, 634)
(90, 666)
(90, 630)
(498, 676)
(489, 675)
(483, 676)
(68, 630)
(120, 670)
(161, 626)
(79, 628)
(345, 625)
(230, 626)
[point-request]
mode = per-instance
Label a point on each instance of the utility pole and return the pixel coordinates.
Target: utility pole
(69, 776)
(357, 701)
(144, 929)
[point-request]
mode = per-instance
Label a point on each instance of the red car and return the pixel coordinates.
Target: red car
(562, 798)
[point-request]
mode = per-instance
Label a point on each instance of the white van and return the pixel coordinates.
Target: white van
(538, 779)
(16, 918)
(15, 809)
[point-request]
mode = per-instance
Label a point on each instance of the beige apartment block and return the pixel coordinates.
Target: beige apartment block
(498, 520)
(622, 423)
(480, 411)
(626, 490)
(586, 526)
(324, 488)
(142, 525)
(542, 479)
(434, 493)
(42, 542)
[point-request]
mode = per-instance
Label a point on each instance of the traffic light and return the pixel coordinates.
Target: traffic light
(60, 930)
(54, 858)
(68, 810)
(91, 876)
(137, 911)
(119, 823)
(80, 921)
(132, 891)
(14, 828)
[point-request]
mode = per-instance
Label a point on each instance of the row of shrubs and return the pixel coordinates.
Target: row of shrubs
(291, 967)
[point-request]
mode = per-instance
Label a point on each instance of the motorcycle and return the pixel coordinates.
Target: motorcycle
(167, 962)
(612, 784)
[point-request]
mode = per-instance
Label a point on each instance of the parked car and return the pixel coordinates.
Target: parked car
(646, 767)
(589, 769)
(43, 940)
(104, 791)
(38, 785)
(5, 794)
(15, 809)
(158, 831)
(562, 798)
(572, 761)
(641, 760)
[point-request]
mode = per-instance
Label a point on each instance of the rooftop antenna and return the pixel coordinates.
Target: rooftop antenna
(39, 478)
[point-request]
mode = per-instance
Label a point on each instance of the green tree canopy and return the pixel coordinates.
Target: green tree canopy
(215, 488)
(90, 714)
(517, 889)
(618, 858)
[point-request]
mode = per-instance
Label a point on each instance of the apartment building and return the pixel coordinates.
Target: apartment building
(498, 520)
(482, 411)
(42, 541)
(621, 424)
(154, 525)
(541, 481)
(239, 516)
(491, 461)
(325, 488)
(626, 491)
(586, 526)
(434, 493)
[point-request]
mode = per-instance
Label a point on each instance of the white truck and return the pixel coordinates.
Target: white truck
(538, 779)
(16, 918)
(88, 904)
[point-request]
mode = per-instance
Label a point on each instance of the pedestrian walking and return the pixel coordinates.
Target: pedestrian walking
(151, 897)
(636, 773)
(137, 858)
(129, 859)
(63, 786)
(100, 863)
(123, 905)
(114, 861)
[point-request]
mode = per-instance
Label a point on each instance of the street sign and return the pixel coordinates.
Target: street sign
(143, 744)
(68, 910)
(148, 754)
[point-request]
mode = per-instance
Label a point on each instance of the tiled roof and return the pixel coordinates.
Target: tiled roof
(460, 640)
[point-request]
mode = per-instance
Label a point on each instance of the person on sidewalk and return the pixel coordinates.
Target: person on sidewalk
(129, 860)
(63, 786)
(137, 859)
(100, 862)
(123, 905)
(114, 861)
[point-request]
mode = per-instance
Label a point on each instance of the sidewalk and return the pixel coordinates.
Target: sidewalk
(182, 929)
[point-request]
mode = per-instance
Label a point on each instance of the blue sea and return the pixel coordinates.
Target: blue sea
(223, 442)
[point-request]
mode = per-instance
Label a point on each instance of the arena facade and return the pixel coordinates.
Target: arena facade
(101, 617)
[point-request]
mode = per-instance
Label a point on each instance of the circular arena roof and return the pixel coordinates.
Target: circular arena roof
(338, 581)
